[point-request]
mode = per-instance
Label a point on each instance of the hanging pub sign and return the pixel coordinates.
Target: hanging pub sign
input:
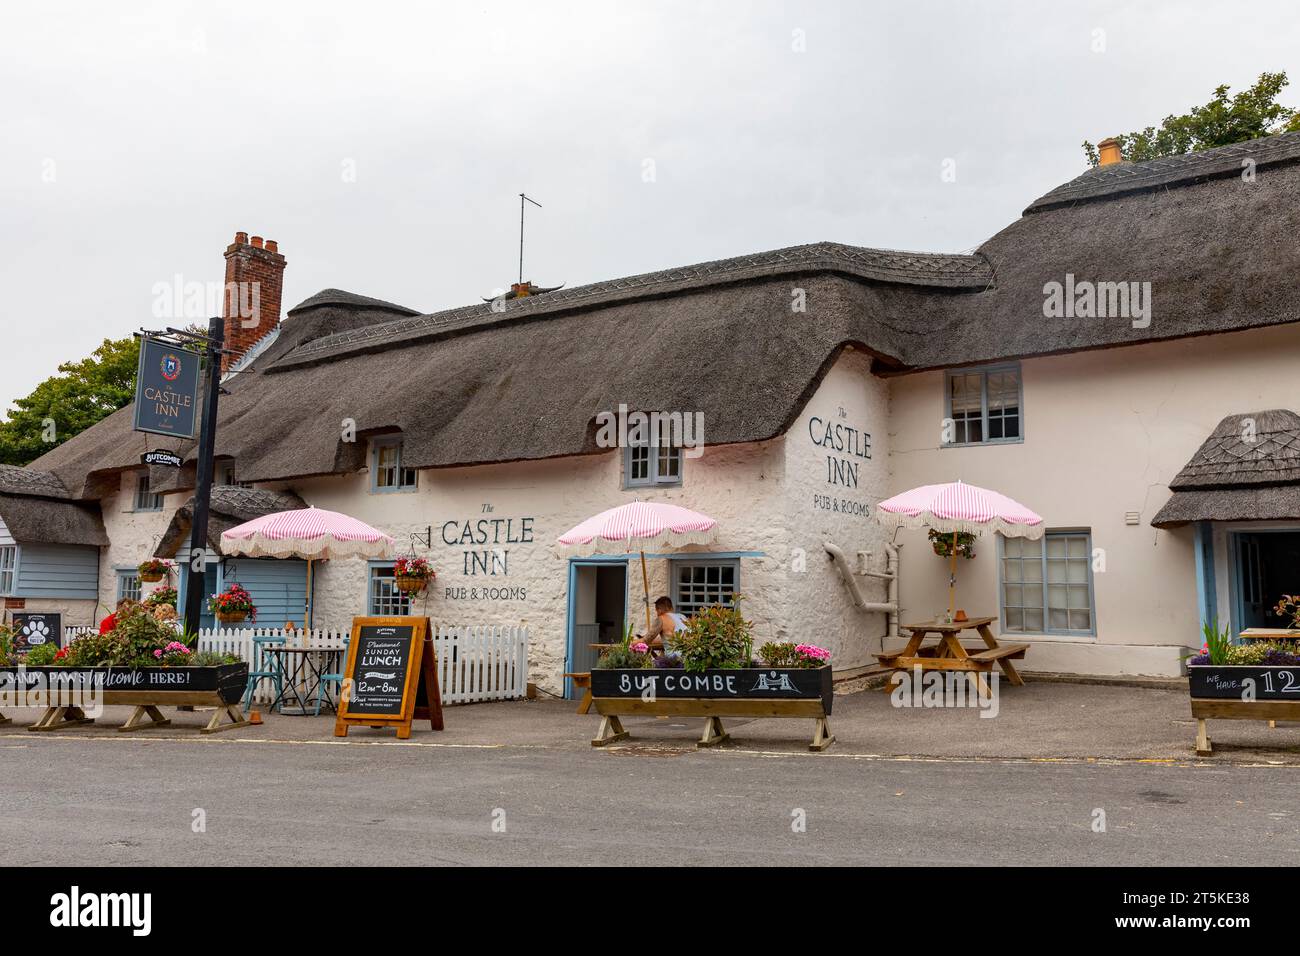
(390, 677)
(166, 389)
(162, 457)
(32, 629)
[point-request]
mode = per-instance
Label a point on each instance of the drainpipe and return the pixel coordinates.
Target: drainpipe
(890, 574)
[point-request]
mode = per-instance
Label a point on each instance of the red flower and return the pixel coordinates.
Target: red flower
(107, 624)
(63, 652)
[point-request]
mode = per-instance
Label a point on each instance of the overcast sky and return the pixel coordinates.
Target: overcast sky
(384, 145)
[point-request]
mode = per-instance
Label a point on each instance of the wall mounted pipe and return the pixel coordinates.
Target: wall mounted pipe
(890, 574)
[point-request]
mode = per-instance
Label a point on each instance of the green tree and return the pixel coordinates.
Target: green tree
(68, 403)
(1250, 114)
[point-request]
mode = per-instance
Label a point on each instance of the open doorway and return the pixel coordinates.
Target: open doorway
(597, 612)
(1268, 566)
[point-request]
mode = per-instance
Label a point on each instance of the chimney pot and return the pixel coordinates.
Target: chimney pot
(1108, 152)
(257, 242)
(241, 238)
(252, 303)
(272, 246)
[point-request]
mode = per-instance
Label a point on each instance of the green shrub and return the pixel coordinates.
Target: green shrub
(1217, 644)
(716, 637)
(622, 657)
(42, 655)
(778, 654)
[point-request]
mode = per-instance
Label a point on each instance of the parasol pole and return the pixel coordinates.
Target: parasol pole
(309, 595)
(952, 581)
(645, 584)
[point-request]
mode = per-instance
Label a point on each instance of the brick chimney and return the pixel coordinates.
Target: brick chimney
(254, 282)
(1108, 152)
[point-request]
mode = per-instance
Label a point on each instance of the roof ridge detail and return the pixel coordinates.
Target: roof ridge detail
(942, 270)
(1103, 181)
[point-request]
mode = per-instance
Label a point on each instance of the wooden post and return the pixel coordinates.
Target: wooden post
(645, 584)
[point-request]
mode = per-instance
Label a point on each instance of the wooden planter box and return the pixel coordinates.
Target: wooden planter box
(713, 694)
(1241, 692)
(145, 688)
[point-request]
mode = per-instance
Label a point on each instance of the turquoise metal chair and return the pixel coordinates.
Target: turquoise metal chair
(264, 667)
(336, 679)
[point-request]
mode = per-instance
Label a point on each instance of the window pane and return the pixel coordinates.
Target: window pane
(1078, 547)
(1076, 572)
(1033, 548)
(1056, 546)
(1011, 547)
(1033, 595)
(1013, 572)
(1014, 595)
(1015, 619)
(1033, 568)
(385, 599)
(1058, 620)
(1033, 620)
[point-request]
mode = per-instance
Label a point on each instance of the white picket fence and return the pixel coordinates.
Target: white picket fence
(475, 663)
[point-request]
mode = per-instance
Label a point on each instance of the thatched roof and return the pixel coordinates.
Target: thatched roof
(1247, 470)
(34, 506)
(478, 385)
(231, 505)
(48, 521)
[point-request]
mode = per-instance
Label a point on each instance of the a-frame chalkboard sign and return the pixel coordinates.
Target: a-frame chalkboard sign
(390, 677)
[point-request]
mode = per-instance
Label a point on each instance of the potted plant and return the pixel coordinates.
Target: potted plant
(233, 606)
(1260, 670)
(942, 543)
(161, 596)
(136, 660)
(154, 570)
(412, 575)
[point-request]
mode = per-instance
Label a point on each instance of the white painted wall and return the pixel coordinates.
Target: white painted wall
(1105, 432)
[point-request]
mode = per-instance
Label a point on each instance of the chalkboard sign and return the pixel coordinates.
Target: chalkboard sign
(32, 629)
(389, 676)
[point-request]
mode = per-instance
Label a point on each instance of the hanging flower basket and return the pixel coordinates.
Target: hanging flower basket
(942, 543)
(154, 570)
(412, 575)
(232, 606)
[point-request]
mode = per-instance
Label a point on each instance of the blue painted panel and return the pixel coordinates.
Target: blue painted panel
(278, 587)
(63, 571)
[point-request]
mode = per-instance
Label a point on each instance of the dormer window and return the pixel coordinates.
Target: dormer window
(387, 468)
(646, 465)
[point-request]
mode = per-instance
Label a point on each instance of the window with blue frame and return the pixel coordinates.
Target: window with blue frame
(385, 600)
(8, 568)
(703, 582)
(128, 585)
(984, 405)
(1047, 584)
(389, 474)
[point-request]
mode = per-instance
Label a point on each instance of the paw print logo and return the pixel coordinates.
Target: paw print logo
(37, 632)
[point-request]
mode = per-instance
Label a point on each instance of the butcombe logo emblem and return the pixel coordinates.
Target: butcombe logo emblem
(171, 367)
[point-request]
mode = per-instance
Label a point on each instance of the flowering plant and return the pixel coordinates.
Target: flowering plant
(413, 568)
(172, 654)
(813, 655)
(163, 595)
(1289, 606)
(234, 602)
(155, 569)
(641, 647)
(942, 543)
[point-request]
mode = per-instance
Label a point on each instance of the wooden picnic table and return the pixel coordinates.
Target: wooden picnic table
(951, 655)
(1270, 634)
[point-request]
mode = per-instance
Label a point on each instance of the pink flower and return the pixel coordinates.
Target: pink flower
(157, 653)
(813, 651)
(640, 647)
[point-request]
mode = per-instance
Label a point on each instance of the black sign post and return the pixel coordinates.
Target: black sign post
(196, 564)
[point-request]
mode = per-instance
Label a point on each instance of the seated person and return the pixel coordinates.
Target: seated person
(666, 623)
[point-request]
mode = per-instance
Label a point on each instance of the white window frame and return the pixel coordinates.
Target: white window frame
(128, 585)
(983, 371)
(8, 569)
(1044, 560)
(677, 565)
(401, 472)
(146, 500)
(381, 591)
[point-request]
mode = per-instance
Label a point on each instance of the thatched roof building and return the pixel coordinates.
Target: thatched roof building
(1247, 470)
(524, 378)
(231, 505)
(34, 506)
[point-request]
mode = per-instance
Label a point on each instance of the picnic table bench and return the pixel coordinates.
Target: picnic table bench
(949, 654)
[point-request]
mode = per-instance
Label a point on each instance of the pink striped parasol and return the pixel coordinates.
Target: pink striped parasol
(311, 533)
(307, 533)
(636, 526)
(956, 508)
